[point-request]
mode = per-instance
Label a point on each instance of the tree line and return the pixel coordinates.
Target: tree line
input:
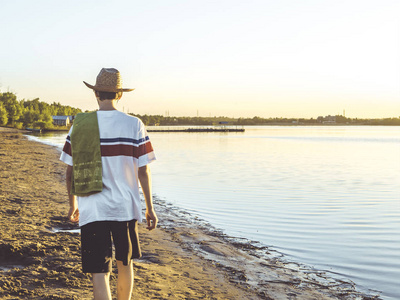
(166, 121)
(37, 114)
(338, 120)
(31, 113)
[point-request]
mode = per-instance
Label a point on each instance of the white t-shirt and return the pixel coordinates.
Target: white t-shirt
(125, 146)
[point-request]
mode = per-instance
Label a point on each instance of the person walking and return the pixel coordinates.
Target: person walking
(107, 153)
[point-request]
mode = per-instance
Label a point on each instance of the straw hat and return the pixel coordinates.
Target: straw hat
(108, 80)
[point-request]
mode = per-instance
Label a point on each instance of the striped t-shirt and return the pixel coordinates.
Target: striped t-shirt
(125, 146)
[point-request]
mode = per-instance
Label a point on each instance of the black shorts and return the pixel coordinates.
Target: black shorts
(97, 244)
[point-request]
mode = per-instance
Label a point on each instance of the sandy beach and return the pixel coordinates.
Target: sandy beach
(182, 259)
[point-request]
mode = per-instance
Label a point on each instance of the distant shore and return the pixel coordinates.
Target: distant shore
(181, 260)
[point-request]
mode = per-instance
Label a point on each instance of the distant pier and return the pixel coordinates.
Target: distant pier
(222, 129)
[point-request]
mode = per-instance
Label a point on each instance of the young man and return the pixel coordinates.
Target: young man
(108, 153)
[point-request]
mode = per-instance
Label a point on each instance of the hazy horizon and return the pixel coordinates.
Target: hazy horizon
(220, 58)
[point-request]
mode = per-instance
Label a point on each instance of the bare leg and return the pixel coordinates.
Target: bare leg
(125, 281)
(101, 286)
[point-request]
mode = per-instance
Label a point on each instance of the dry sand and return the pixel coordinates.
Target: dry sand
(182, 259)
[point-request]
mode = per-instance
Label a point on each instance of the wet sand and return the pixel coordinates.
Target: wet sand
(182, 259)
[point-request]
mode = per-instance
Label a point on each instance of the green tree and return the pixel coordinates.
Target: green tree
(45, 118)
(28, 117)
(30, 113)
(3, 115)
(13, 107)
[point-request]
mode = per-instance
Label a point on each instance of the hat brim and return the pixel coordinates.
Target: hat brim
(106, 89)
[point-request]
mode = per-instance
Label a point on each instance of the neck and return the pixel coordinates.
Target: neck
(107, 104)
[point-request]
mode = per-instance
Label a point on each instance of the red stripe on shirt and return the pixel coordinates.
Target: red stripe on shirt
(67, 148)
(126, 150)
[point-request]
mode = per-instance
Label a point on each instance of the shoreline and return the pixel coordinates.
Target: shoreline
(184, 258)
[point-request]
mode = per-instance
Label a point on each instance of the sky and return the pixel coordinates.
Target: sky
(231, 58)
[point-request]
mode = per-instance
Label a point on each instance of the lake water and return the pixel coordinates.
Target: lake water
(325, 196)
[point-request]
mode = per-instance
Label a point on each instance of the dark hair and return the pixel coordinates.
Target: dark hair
(108, 95)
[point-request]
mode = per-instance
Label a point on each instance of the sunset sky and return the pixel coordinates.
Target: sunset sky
(227, 58)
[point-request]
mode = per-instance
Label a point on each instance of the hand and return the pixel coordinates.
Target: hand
(73, 214)
(152, 219)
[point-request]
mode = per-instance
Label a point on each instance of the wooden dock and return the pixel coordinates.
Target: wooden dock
(197, 130)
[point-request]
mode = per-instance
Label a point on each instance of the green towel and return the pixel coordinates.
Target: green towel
(86, 155)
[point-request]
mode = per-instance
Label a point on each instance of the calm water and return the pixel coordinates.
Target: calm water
(328, 197)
